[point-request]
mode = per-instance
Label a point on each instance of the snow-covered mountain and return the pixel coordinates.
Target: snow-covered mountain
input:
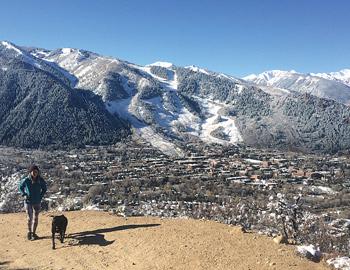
(341, 76)
(148, 98)
(168, 105)
(335, 85)
(38, 107)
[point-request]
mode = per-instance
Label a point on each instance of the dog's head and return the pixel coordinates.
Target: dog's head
(59, 219)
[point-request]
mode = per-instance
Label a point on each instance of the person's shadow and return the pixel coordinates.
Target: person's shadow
(6, 264)
(96, 237)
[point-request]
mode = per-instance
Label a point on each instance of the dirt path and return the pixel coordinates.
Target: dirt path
(98, 240)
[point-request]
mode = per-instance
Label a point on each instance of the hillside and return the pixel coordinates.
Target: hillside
(98, 240)
(39, 108)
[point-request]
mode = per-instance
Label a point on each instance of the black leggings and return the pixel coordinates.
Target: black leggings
(32, 210)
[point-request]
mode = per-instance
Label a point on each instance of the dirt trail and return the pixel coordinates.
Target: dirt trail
(98, 240)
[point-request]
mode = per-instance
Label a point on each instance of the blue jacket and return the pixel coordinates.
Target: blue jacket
(34, 191)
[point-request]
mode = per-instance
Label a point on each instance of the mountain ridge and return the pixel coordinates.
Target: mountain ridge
(168, 106)
(38, 107)
(334, 85)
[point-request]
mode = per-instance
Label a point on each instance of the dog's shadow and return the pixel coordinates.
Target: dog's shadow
(96, 237)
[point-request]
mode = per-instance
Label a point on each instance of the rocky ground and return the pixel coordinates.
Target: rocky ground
(98, 240)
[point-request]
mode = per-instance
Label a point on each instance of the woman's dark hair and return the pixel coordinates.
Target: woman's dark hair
(33, 167)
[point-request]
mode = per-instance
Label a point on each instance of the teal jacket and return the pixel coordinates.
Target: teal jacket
(34, 191)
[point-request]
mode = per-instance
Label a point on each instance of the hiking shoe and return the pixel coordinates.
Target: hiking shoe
(35, 236)
(29, 236)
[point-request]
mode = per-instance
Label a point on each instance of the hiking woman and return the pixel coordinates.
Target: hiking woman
(32, 188)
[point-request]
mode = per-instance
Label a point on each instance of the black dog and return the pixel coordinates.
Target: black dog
(59, 225)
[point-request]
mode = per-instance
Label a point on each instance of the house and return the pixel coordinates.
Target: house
(255, 177)
(298, 173)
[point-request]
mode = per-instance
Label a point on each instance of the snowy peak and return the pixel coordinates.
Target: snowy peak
(69, 57)
(10, 46)
(161, 64)
(197, 69)
(37, 58)
(67, 50)
(341, 76)
(9, 50)
(169, 65)
(331, 86)
(269, 77)
(108, 77)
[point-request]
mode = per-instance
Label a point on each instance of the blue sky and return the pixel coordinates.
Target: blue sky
(234, 37)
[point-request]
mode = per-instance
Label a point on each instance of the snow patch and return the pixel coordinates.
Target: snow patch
(188, 120)
(124, 108)
(9, 46)
(342, 263)
(227, 124)
(67, 50)
(275, 91)
(170, 84)
(40, 53)
(161, 64)
(253, 161)
(250, 77)
(143, 83)
(82, 70)
(92, 207)
(324, 190)
(310, 249)
(197, 69)
(225, 76)
(9, 191)
(239, 88)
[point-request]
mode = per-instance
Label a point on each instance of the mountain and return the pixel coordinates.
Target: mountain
(342, 76)
(163, 104)
(334, 85)
(39, 108)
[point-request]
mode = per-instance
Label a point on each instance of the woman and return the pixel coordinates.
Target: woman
(32, 188)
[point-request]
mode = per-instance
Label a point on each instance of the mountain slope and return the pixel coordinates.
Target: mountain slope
(300, 122)
(324, 86)
(38, 107)
(97, 240)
